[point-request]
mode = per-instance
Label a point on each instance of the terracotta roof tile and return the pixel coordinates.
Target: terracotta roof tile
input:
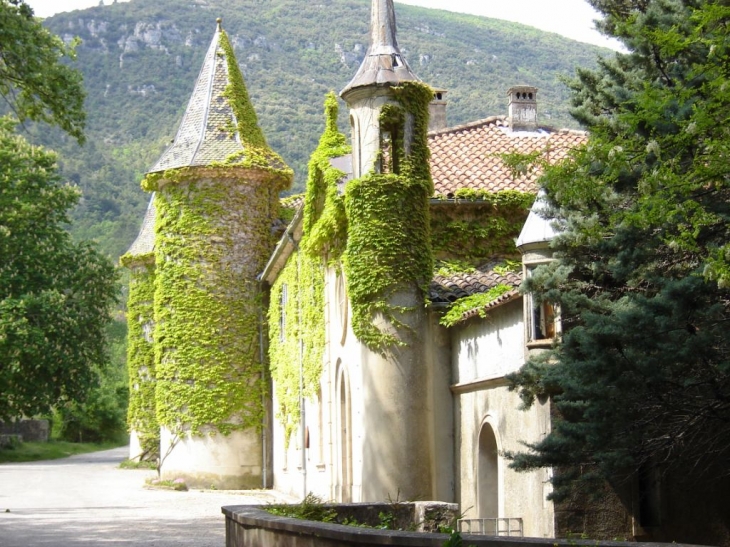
(446, 289)
(469, 156)
(292, 202)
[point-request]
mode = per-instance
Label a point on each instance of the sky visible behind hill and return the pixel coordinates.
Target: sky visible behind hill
(569, 18)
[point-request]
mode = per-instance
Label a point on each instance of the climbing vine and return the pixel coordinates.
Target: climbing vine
(256, 152)
(296, 309)
(325, 223)
(388, 244)
(473, 302)
(141, 413)
(212, 238)
(296, 315)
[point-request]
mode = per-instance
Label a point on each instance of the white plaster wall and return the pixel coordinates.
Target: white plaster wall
(401, 418)
(320, 470)
(490, 347)
(231, 462)
(135, 449)
(298, 471)
(485, 350)
(343, 356)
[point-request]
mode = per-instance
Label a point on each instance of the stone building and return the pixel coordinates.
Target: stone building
(363, 356)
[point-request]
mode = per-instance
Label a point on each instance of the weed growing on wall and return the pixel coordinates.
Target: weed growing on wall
(473, 302)
(486, 226)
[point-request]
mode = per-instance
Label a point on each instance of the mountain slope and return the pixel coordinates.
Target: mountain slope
(140, 60)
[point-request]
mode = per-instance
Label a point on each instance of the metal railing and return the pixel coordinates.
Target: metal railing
(511, 527)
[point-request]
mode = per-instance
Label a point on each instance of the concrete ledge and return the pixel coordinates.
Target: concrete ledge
(252, 526)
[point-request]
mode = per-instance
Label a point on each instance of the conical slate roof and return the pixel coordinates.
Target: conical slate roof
(145, 242)
(210, 131)
(383, 63)
(537, 228)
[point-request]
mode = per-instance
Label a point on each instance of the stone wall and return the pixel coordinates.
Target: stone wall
(29, 430)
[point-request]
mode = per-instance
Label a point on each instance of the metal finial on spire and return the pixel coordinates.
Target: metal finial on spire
(383, 63)
(220, 22)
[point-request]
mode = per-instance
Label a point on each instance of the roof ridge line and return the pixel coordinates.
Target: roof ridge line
(502, 117)
(468, 125)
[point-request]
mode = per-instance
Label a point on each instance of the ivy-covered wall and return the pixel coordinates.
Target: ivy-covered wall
(141, 413)
(476, 226)
(212, 239)
(296, 336)
(299, 316)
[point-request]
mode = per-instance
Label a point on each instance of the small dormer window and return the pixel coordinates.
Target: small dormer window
(542, 325)
(542, 318)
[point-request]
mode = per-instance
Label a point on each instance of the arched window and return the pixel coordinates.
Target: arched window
(487, 474)
(344, 437)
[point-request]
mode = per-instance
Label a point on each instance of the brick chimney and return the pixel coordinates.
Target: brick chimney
(437, 110)
(522, 108)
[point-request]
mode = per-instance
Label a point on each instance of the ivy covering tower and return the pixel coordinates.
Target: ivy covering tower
(142, 411)
(216, 195)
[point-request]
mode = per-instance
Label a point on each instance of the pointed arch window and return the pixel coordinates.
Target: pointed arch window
(392, 130)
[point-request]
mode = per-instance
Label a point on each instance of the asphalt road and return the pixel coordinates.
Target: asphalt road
(87, 501)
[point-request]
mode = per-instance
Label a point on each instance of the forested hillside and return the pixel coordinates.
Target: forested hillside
(140, 60)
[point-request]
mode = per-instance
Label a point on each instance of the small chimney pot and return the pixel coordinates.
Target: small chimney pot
(522, 108)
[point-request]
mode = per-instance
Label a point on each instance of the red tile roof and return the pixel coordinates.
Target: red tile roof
(458, 285)
(469, 156)
(448, 289)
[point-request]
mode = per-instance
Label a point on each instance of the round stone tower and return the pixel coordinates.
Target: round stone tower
(216, 195)
(389, 247)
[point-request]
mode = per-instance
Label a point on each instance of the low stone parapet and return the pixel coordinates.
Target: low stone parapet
(253, 526)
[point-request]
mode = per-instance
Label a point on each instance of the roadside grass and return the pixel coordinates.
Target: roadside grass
(133, 464)
(51, 450)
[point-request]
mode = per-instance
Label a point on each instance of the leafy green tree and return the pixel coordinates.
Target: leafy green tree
(34, 80)
(102, 415)
(55, 295)
(642, 373)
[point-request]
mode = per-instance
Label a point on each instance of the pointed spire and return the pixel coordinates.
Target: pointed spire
(219, 122)
(383, 63)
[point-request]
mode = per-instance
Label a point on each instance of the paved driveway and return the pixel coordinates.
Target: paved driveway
(87, 501)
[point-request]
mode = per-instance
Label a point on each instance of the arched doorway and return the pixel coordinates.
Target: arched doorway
(488, 474)
(344, 440)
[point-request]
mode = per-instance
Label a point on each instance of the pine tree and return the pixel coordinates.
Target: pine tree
(642, 373)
